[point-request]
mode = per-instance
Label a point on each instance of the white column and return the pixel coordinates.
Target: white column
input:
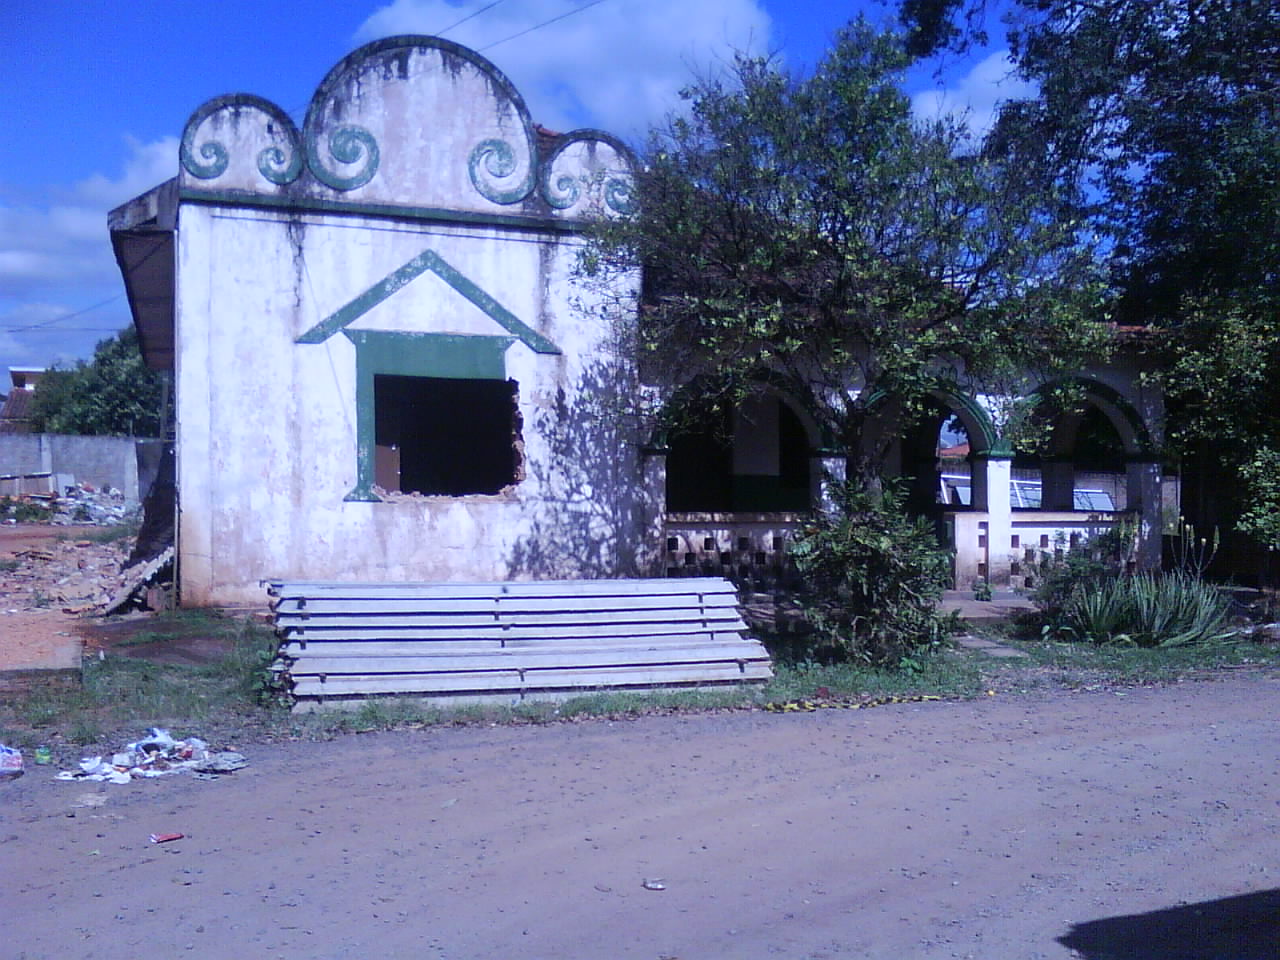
(651, 551)
(1144, 500)
(991, 494)
(827, 474)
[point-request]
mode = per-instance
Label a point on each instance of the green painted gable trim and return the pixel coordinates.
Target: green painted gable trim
(387, 353)
(428, 260)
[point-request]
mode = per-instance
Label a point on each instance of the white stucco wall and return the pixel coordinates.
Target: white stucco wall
(267, 426)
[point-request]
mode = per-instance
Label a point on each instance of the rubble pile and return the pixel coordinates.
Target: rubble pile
(86, 504)
(76, 577)
(81, 504)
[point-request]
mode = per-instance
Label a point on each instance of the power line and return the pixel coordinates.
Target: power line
(469, 16)
(545, 23)
(65, 316)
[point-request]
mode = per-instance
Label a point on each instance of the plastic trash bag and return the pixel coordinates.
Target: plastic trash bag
(10, 762)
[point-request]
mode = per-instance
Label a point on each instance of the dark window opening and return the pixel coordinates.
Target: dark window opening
(445, 437)
(700, 465)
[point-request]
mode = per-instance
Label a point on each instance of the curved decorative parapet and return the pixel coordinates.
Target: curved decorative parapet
(239, 141)
(589, 173)
(423, 121)
(410, 122)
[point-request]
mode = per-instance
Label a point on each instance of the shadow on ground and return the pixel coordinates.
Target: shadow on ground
(1246, 927)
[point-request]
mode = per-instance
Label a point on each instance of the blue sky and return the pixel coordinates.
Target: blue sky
(96, 94)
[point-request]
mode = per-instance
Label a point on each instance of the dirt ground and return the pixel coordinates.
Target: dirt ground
(1142, 823)
(40, 602)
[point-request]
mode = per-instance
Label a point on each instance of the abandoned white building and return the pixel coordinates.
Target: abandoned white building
(385, 369)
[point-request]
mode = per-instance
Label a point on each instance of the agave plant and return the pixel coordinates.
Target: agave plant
(1150, 610)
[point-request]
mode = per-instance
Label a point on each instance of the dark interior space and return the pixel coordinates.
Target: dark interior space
(700, 475)
(453, 437)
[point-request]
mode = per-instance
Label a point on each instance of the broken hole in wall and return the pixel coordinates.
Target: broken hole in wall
(446, 437)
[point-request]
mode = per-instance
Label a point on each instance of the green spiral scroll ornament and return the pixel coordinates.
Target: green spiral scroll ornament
(493, 160)
(349, 145)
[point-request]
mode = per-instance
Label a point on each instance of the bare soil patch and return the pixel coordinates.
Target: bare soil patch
(1067, 824)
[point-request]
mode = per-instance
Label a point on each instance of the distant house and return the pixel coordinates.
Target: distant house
(15, 412)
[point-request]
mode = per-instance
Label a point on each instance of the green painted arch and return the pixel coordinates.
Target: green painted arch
(563, 192)
(659, 439)
(208, 159)
(988, 440)
(1139, 442)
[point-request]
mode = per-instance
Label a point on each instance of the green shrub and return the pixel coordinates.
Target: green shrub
(1149, 610)
(23, 511)
(872, 579)
(1084, 567)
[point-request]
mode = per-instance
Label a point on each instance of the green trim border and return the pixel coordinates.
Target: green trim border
(384, 211)
(1145, 449)
(991, 443)
(443, 355)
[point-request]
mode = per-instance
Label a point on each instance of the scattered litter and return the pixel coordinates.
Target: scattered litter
(44, 756)
(166, 837)
(10, 762)
(655, 884)
(82, 503)
(158, 755)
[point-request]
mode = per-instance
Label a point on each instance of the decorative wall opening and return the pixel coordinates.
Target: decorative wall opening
(1081, 464)
(445, 437)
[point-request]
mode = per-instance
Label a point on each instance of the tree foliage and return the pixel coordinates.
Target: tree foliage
(808, 226)
(113, 394)
(1163, 118)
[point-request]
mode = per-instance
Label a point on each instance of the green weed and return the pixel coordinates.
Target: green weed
(107, 534)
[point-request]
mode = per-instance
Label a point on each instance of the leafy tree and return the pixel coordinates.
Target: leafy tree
(113, 394)
(810, 227)
(1162, 117)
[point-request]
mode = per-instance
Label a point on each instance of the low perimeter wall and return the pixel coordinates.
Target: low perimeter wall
(100, 461)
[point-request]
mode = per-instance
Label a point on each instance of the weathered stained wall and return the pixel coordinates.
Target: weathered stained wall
(466, 229)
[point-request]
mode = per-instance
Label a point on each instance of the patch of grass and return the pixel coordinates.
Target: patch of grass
(1082, 664)
(118, 698)
(224, 700)
(940, 673)
(629, 703)
(23, 510)
(108, 534)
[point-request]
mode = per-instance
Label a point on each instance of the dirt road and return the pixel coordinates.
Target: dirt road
(996, 829)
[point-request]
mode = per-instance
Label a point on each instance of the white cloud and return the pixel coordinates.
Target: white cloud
(618, 66)
(56, 259)
(148, 165)
(977, 95)
(46, 249)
